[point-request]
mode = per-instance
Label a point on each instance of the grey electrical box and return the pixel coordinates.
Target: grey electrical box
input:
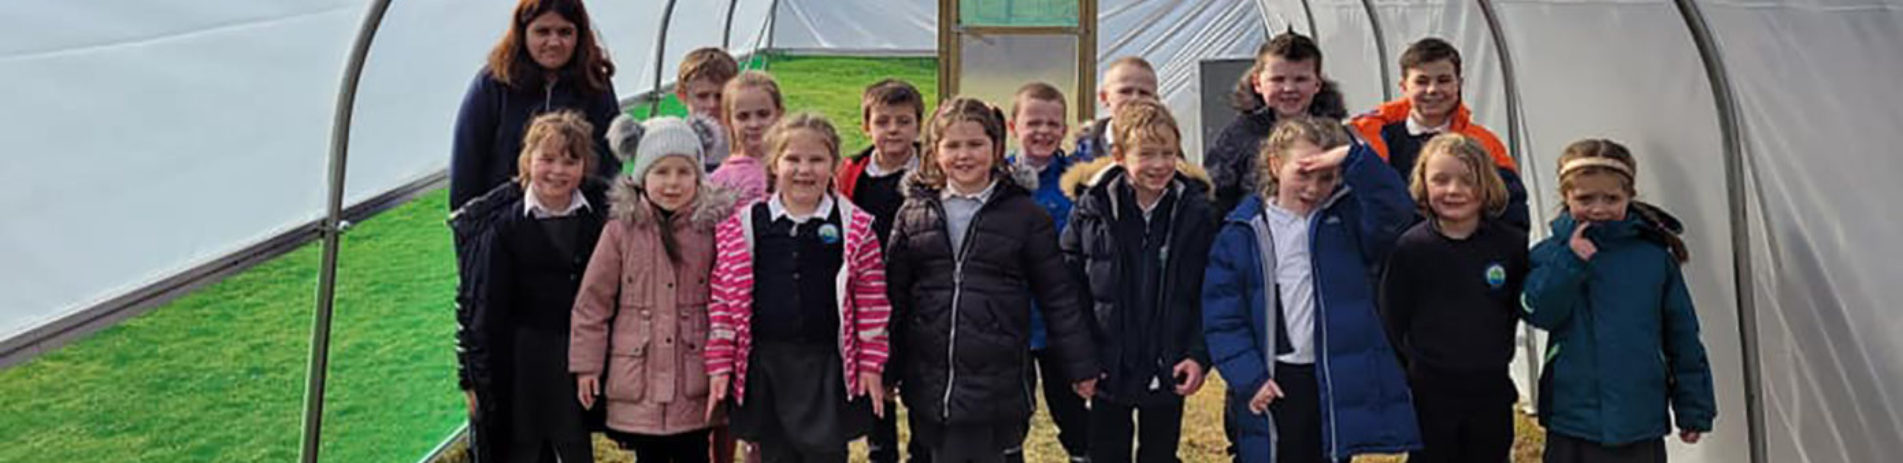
(1218, 77)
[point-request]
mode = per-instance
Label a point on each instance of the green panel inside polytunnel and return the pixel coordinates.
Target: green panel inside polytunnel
(1040, 13)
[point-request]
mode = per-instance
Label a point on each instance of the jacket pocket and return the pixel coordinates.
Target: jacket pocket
(694, 350)
(627, 362)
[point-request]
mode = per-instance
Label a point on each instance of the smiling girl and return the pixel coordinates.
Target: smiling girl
(970, 252)
(799, 309)
(529, 260)
(1450, 298)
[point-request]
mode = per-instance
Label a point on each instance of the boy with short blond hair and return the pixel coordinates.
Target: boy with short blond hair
(1128, 78)
(703, 73)
(1138, 240)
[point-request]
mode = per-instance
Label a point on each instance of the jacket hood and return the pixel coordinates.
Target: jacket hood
(1013, 176)
(712, 203)
(1080, 178)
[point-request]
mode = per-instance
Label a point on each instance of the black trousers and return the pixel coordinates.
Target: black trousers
(1158, 428)
(976, 443)
(1458, 428)
(687, 447)
(1298, 415)
(1561, 448)
(882, 443)
(1066, 408)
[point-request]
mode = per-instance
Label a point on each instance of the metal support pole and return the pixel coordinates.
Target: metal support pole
(1516, 148)
(660, 56)
(726, 35)
(1309, 12)
(331, 229)
(1732, 127)
(1380, 50)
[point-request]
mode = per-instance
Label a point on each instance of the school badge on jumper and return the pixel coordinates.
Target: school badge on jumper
(829, 234)
(1496, 275)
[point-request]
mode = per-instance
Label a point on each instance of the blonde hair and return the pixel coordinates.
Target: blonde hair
(746, 81)
(569, 126)
(1141, 120)
(1324, 134)
(1469, 152)
(1134, 61)
(707, 63)
(953, 111)
(781, 135)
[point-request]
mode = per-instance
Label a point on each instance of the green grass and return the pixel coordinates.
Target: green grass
(218, 375)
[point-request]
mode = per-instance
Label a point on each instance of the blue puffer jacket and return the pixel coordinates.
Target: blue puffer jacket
(1050, 195)
(1366, 405)
(1624, 338)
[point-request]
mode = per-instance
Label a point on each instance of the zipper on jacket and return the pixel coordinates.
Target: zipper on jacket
(1321, 331)
(958, 287)
(548, 95)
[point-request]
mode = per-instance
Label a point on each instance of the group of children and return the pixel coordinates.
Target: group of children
(1356, 285)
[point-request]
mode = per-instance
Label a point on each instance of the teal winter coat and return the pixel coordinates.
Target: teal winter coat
(1623, 345)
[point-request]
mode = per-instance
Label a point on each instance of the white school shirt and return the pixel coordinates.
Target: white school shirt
(532, 207)
(1294, 281)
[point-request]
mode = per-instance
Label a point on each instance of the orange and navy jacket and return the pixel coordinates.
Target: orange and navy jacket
(1391, 117)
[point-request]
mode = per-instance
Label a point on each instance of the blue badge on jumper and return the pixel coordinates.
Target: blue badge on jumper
(1496, 275)
(828, 233)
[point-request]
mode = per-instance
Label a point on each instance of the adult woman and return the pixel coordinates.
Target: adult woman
(548, 60)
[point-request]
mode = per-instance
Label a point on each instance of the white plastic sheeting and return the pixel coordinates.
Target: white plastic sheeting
(1817, 86)
(151, 136)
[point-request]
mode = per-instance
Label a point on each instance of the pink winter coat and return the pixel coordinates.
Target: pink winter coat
(860, 286)
(656, 381)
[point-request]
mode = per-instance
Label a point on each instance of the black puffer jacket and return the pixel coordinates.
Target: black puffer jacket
(961, 324)
(1231, 159)
(1135, 348)
(478, 354)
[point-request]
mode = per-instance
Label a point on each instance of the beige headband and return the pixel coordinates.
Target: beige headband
(1582, 163)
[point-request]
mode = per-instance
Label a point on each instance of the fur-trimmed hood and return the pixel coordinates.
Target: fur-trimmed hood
(712, 204)
(1022, 178)
(1083, 177)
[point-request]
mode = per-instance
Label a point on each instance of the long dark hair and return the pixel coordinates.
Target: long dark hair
(510, 64)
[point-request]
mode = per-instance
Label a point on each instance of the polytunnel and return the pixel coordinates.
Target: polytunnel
(163, 145)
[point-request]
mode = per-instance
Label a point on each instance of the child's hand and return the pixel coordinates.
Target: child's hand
(1086, 388)
(1265, 396)
(871, 383)
(716, 392)
(1690, 436)
(1582, 247)
(586, 388)
(1326, 161)
(471, 395)
(1189, 377)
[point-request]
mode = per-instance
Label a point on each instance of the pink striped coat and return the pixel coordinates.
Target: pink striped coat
(863, 308)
